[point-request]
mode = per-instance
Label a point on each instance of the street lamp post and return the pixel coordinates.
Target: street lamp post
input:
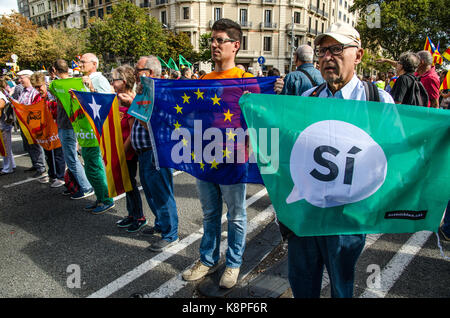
(292, 45)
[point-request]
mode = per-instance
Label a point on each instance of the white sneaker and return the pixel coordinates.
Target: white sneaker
(57, 183)
(44, 180)
(198, 271)
(229, 277)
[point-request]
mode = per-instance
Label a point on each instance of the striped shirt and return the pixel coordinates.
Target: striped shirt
(27, 96)
(140, 137)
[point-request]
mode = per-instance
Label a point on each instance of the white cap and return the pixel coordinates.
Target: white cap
(25, 72)
(344, 33)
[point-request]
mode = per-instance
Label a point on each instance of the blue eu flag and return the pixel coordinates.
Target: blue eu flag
(198, 127)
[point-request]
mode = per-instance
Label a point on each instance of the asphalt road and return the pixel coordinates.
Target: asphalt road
(51, 247)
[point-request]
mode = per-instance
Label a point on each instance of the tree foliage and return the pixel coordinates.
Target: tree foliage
(180, 43)
(126, 34)
(405, 24)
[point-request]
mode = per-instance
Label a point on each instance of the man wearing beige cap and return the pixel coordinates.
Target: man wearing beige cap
(339, 51)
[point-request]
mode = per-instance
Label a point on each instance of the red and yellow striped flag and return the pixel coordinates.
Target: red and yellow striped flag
(446, 54)
(2, 146)
(429, 46)
(437, 58)
(446, 82)
(102, 111)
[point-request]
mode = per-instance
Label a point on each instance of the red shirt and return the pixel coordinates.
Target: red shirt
(430, 80)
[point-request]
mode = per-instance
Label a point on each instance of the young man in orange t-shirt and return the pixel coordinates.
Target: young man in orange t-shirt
(225, 42)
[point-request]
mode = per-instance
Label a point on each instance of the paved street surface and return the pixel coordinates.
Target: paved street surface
(51, 247)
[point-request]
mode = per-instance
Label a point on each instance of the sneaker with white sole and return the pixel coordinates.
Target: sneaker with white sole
(229, 277)
(81, 195)
(198, 271)
(44, 180)
(57, 183)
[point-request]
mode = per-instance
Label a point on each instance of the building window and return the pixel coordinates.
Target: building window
(163, 17)
(243, 16)
(268, 16)
(244, 43)
(186, 13)
(267, 43)
(217, 14)
(296, 17)
(100, 13)
(108, 9)
(91, 13)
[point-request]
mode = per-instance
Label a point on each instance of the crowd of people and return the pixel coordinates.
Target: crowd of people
(338, 51)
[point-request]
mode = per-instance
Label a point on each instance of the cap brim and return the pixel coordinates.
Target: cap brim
(338, 37)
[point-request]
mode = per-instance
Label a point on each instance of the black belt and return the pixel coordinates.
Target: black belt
(141, 151)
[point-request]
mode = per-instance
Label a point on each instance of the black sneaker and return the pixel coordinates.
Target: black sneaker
(136, 225)
(125, 222)
(151, 231)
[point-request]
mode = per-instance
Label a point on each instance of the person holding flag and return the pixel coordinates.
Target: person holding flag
(93, 162)
(6, 122)
(339, 51)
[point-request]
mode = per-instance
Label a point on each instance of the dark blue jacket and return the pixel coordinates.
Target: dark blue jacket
(296, 83)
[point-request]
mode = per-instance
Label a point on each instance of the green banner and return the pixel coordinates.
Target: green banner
(83, 130)
(334, 166)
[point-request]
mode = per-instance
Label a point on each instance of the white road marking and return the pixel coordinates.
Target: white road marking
(391, 273)
(19, 182)
(159, 258)
(175, 284)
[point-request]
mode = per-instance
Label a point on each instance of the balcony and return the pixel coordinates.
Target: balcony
(267, 26)
(269, 2)
(298, 28)
(244, 1)
(146, 4)
(217, 1)
(67, 10)
(245, 24)
(312, 31)
(297, 3)
(161, 2)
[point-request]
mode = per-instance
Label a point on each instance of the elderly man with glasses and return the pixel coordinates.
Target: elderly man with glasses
(339, 51)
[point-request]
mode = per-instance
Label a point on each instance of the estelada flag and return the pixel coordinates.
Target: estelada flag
(446, 82)
(2, 146)
(102, 111)
(37, 124)
(437, 58)
(429, 46)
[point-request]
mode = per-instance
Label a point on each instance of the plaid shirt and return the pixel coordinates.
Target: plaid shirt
(27, 96)
(140, 137)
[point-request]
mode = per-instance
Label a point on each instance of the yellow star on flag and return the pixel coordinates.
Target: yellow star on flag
(202, 166)
(193, 156)
(177, 125)
(230, 135)
(184, 141)
(214, 164)
(216, 99)
(178, 108)
(226, 153)
(228, 116)
(185, 98)
(199, 94)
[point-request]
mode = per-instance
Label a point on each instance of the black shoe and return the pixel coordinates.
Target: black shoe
(40, 174)
(126, 222)
(136, 225)
(151, 231)
(30, 169)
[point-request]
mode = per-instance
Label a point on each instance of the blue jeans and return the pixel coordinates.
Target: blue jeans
(69, 146)
(446, 225)
(158, 189)
(308, 255)
(211, 195)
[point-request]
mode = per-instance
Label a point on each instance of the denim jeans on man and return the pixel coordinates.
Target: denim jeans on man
(158, 189)
(308, 255)
(69, 145)
(211, 195)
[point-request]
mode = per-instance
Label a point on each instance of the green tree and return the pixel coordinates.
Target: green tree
(180, 43)
(205, 48)
(405, 24)
(126, 34)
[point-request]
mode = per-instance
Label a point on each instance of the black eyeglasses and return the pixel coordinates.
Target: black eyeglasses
(334, 49)
(220, 41)
(138, 70)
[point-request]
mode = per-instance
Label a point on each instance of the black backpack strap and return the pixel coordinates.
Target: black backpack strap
(318, 90)
(372, 93)
(313, 82)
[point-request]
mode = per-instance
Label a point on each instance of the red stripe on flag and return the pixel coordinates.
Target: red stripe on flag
(115, 162)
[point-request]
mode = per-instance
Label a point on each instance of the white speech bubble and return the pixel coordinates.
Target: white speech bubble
(335, 163)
